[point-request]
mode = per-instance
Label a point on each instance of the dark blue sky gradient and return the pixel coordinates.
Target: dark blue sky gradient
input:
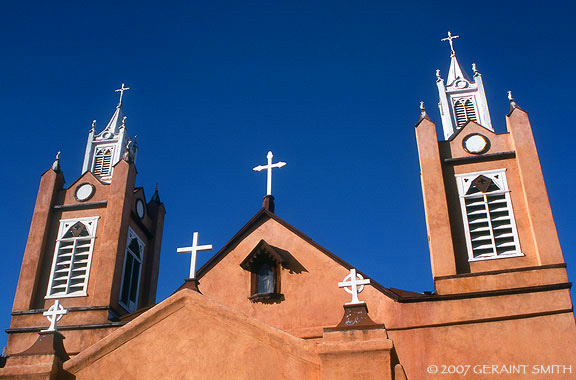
(332, 88)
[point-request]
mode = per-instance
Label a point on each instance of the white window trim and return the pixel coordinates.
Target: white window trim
(471, 97)
(112, 159)
(61, 232)
(506, 192)
(131, 235)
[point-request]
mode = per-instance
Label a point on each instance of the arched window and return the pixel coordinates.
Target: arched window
(488, 215)
(131, 272)
(464, 111)
(103, 161)
(72, 258)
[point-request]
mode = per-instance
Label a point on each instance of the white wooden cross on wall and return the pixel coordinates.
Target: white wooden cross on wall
(54, 314)
(194, 251)
(269, 168)
(356, 283)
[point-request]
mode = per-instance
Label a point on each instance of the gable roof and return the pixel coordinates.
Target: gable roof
(262, 216)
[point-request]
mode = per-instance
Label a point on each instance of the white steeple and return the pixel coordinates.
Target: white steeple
(106, 148)
(461, 99)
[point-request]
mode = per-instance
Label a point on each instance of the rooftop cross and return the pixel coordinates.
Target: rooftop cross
(121, 91)
(449, 39)
(269, 168)
(356, 283)
(194, 251)
(54, 314)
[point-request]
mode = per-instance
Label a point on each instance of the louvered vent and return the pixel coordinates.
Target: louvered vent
(71, 264)
(489, 218)
(464, 110)
(103, 161)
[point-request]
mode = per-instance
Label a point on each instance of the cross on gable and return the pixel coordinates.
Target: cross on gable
(194, 249)
(354, 284)
(269, 168)
(54, 314)
(449, 39)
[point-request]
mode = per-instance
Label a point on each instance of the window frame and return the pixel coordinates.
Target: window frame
(130, 236)
(112, 148)
(62, 230)
(502, 182)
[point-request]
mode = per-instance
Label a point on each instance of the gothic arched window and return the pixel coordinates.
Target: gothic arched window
(488, 215)
(464, 110)
(131, 272)
(72, 258)
(103, 160)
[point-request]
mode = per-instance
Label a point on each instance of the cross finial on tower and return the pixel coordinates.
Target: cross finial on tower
(54, 314)
(449, 39)
(121, 91)
(356, 283)
(269, 168)
(194, 249)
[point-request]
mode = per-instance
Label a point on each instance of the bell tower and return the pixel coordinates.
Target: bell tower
(94, 245)
(461, 99)
(489, 222)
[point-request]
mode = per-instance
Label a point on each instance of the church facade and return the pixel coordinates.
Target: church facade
(501, 304)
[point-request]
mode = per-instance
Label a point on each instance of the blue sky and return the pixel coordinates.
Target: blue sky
(332, 88)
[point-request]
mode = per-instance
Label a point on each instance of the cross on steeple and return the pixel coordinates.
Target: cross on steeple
(194, 249)
(356, 283)
(449, 39)
(269, 168)
(54, 314)
(121, 91)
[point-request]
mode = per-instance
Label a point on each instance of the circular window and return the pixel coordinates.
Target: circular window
(84, 192)
(476, 143)
(140, 209)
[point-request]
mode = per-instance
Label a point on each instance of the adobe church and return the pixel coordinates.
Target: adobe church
(85, 305)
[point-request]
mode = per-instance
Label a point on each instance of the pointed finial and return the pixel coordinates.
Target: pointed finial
(127, 156)
(121, 91)
(438, 77)
(513, 104)
(155, 196)
(56, 163)
(423, 114)
(93, 125)
(449, 39)
(475, 69)
(123, 125)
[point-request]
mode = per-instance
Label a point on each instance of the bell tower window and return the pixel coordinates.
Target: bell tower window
(72, 258)
(102, 165)
(488, 216)
(131, 272)
(464, 110)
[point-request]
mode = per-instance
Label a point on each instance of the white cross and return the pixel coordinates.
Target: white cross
(449, 39)
(54, 314)
(356, 283)
(194, 251)
(269, 168)
(121, 91)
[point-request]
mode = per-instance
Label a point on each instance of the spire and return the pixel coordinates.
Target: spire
(156, 196)
(106, 148)
(461, 99)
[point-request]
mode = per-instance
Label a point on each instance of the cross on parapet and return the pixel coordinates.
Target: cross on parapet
(54, 314)
(121, 91)
(449, 39)
(269, 168)
(194, 249)
(356, 283)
